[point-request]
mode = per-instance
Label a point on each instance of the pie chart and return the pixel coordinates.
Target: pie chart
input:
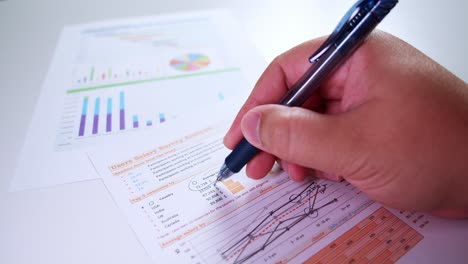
(190, 62)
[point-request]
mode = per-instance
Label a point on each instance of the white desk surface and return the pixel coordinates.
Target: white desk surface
(79, 223)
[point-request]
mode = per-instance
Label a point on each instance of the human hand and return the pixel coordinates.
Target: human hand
(390, 121)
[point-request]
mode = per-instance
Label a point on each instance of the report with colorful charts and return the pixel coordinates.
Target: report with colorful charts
(166, 191)
(109, 80)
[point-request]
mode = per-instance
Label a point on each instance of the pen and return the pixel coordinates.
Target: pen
(351, 31)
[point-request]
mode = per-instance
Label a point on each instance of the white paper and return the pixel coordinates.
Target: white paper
(156, 69)
(166, 192)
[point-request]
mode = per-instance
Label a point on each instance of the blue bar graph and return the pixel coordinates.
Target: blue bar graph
(84, 111)
(162, 118)
(110, 108)
(135, 121)
(220, 96)
(97, 103)
(109, 115)
(122, 110)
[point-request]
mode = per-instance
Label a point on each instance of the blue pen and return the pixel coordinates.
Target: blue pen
(353, 28)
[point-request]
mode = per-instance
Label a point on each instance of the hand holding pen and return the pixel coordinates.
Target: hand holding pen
(351, 31)
(389, 120)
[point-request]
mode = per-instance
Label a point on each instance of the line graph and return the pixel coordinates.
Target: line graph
(276, 223)
(275, 220)
(293, 218)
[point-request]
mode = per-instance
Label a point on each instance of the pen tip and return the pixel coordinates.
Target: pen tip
(224, 173)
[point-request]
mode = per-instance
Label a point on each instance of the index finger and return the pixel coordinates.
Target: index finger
(275, 81)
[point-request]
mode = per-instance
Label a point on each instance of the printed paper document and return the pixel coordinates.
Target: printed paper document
(166, 192)
(109, 80)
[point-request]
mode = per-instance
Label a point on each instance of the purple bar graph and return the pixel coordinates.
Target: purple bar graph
(97, 104)
(135, 121)
(109, 115)
(122, 111)
(108, 107)
(162, 118)
(84, 110)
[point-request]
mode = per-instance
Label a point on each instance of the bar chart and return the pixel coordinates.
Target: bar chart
(108, 127)
(91, 116)
(233, 186)
(101, 73)
(140, 77)
(139, 69)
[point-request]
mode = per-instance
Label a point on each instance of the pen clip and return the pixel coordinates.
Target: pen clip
(349, 21)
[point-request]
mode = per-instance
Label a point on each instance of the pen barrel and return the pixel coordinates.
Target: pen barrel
(240, 156)
(324, 65)
(384, 8)
(355, 27)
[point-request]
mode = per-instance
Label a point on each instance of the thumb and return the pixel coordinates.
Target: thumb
(323, 142)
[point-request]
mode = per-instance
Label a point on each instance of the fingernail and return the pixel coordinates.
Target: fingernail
(250, 127)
